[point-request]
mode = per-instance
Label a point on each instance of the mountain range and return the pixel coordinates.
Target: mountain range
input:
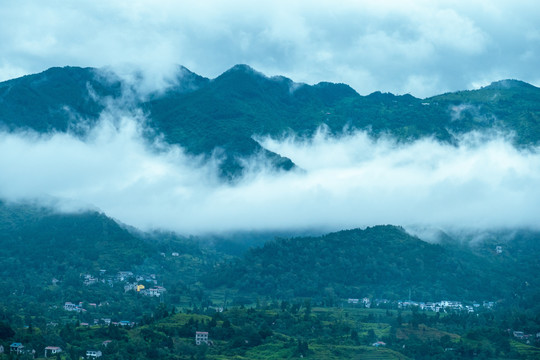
(225, 115)
(228, 113)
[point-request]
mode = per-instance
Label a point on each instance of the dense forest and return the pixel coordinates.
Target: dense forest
(382, 261)
(227, 112)
(331, 296)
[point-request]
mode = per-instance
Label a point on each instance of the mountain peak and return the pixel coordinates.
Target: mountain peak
(242, 70)
(509, 84)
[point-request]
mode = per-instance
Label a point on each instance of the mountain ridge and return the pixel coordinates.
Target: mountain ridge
(224, 113)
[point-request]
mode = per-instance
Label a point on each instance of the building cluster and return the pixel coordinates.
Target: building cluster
(119, 277)
(69, 306)
(446, 306)
(440, 306)
(526, 338)
(156, 291)
(18, 349)
(131, 282)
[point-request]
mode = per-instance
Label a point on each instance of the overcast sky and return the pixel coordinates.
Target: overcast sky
(418, 47)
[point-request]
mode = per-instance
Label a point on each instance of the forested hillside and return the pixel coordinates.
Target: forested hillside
(225, 113)
(382, 262)
(295, 290)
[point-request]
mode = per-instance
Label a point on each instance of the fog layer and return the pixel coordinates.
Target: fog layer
(343, 182)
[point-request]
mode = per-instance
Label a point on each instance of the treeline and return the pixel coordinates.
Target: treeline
(296, 329)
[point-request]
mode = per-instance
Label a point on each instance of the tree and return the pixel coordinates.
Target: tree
(6, 332)
(354, 335)
(302, 348)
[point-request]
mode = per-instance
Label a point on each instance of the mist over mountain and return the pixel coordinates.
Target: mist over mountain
(254, 191)
(245, 151)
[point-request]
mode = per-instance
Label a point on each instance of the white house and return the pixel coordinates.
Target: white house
(93, 354)
(51, 350)
(201, 337)
(68, 306)
(16, 348)
(367, 302)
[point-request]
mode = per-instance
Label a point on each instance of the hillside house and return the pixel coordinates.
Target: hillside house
(89, 279)
(367, 302)
(488, 304)
(201, 337)
(16, 348)
(155, 291)
(69, 306)
(378, 344)
(1, 349)
(123, 275)
(51, 350)
(93, 354)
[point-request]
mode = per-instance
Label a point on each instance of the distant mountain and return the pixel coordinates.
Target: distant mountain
(226, 112)
(54, 100)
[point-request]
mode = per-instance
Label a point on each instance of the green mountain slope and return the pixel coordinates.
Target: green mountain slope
(382, 261)
(225, 113)
(56, 99)
(46, 244)
(45, 255)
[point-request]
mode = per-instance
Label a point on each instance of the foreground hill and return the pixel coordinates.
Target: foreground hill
(299, 286)
(49, 258)
(39, 245)
(382, 261)
(226, 112)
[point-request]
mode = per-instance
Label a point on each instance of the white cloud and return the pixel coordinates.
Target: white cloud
(346, 182)
(396, 46)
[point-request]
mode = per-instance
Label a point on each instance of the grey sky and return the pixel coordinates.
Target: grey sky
(418, 47)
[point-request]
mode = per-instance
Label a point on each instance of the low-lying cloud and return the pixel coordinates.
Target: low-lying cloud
(344, 182)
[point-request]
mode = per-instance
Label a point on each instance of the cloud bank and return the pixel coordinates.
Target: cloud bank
(346, 182)
(422, 47)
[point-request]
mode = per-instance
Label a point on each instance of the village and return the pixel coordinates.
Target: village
(131, 281)
(439, 306)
